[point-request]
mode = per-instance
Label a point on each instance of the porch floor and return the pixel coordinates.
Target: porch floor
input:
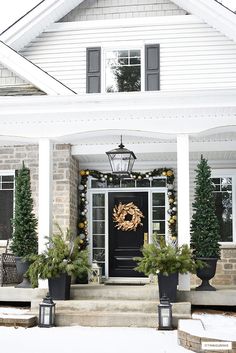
(223, 296)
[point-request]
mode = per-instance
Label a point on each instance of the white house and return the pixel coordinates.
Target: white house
(65, 103)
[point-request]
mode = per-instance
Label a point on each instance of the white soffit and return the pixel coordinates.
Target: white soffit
(212, 13)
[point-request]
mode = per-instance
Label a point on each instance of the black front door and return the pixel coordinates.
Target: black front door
(126, 244)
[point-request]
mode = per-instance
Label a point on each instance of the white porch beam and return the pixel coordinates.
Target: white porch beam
(163, 146)
(183, 199)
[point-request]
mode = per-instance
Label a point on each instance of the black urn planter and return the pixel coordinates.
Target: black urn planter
(168, 286)
(206, 273)
(21, 268)
(59, 287)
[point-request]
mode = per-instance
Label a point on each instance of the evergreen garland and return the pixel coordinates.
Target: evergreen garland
(204, 225)
(24, 238)
(112, 179)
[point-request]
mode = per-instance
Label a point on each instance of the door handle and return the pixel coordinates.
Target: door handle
(145, 238)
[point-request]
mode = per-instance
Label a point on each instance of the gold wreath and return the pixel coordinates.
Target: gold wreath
(121, 211)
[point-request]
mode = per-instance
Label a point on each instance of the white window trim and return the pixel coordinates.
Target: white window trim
(122, 46)
(230, 173)
(4, 173)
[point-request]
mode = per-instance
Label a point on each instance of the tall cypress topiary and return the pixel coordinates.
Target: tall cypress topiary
(24, 238)
(204, 226)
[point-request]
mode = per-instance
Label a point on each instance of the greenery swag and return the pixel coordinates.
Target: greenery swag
(111, 179)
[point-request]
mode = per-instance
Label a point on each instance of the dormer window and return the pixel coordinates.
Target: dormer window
(123, 70)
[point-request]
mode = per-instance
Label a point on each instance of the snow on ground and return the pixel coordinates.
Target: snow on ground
(89, 340)
(220, 326)
(106, 339)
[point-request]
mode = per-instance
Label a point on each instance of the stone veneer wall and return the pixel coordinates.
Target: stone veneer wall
(65, 178)
(226, 268)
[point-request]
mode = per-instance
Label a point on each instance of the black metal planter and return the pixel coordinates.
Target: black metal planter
(59, 287)
(21, 268)
(207, 273)
(168, 286)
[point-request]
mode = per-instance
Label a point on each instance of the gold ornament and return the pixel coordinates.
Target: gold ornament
(171, 220)
(171, 200)
(174, 217)
(121, 211)
(164, 173)
(81, 225)
(82, 172)
(169, 173)
(87, 172)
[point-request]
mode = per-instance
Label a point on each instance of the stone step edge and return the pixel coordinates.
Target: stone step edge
(194, 342)
(18, 320)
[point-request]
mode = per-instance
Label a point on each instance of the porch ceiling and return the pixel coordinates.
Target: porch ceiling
(151, 151)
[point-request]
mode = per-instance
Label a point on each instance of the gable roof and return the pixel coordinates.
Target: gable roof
(32, 73)
(35, 21)
(46, 12)
(213, 13)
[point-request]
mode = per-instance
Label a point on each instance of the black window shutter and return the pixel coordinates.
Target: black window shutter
(93, 82)
(152, 67)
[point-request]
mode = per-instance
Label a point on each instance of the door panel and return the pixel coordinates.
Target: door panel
(124, 245)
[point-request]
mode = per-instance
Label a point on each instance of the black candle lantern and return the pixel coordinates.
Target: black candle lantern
(47, 312)
(121, 160)
(165, 314)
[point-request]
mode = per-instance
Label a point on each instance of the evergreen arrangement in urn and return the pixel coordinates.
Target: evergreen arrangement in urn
(62, 256)
(24, 239)
(204, 225)
(160, 257)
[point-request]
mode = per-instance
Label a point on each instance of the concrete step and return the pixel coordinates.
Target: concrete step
(124, 292)
(114, 306)
(23, 320)
(112, 319)
(90, 312)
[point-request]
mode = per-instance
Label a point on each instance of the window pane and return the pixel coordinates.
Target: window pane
(7, 178)
(98, 184)
(98, 227)
(158, 227)
(98, 213)
(224, 215)
(159, 183)
(123, 71)
(99, 254)
(98, 200)
(226, 184)
(128, 183)
(158, 213)
(98, 241)
(6, 214)
(143, 183)
(159, 199)
(123, 53)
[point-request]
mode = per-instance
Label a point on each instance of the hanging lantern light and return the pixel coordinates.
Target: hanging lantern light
(47, 312)
(121, 160)
(165, 314)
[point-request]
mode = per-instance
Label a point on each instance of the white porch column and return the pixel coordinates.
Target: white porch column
(183, 199)
(45, 196)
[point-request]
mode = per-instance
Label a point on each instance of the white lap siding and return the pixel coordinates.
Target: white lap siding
(192, 54)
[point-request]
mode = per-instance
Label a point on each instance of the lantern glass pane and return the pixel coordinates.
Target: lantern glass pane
(46, 319)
